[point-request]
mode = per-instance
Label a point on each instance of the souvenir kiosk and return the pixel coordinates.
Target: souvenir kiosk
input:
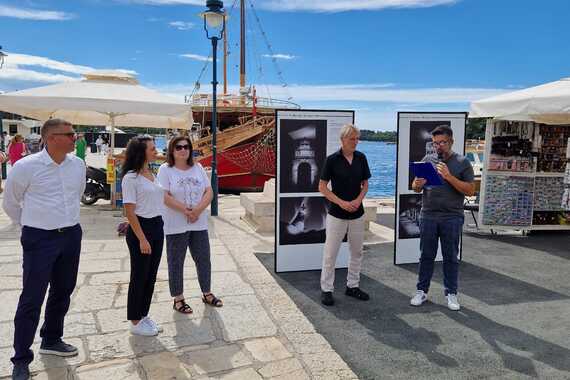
(526, 176)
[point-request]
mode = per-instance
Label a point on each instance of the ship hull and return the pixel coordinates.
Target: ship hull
(235, 176)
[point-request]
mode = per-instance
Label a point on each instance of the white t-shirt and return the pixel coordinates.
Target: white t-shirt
(186, 186)
(148, 196)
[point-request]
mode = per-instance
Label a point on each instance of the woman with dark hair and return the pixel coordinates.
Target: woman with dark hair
(188, 194)
(143, 199)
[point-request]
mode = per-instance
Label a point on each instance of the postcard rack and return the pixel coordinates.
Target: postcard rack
(526, 178)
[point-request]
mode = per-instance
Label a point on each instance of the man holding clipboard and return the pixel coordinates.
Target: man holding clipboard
(442, 217)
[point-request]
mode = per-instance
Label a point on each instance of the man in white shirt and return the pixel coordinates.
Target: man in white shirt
(42, 195)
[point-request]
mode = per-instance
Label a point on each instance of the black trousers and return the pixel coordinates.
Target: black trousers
(50, 258)
(144, 267)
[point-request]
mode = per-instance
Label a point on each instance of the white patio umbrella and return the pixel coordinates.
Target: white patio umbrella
(548, 103)
(102, 98)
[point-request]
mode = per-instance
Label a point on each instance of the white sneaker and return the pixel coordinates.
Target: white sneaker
(143, 328)
(419, 298)
(153, 324)
(452, 302)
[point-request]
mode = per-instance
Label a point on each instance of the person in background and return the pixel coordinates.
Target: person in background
(441, 218)
(143, 199)
(105, 146)
(3, 159)
(99, 144)
(188, 194)
(6, 137)
(80, 147)
(348, 171)
(42, 195)
(17, 149)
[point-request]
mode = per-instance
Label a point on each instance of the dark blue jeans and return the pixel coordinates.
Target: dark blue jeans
(50, 258)
(446, 230)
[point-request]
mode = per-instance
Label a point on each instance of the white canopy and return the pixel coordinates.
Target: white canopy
(548, 103)
(99, 99)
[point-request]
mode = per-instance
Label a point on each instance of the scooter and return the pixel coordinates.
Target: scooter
(96, 187)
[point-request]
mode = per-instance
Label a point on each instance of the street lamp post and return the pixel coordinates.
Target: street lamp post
(2, 143)
(214, 26)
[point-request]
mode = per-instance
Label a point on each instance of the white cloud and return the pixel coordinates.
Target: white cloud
(374, 93)
(287, 57)
(31, 68)
(33, 76)
(318, 5)
(167, 2)
(376, 105)
(197, 57)
(16, 60)
(349, 5)
(34, 14)
(181, 25)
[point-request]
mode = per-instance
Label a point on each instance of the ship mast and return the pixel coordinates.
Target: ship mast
(225, 36)
(242, 47)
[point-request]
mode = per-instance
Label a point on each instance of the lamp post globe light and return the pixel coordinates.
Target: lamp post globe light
(214, 25)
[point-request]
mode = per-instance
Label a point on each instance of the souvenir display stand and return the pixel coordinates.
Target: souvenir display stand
(523, 183)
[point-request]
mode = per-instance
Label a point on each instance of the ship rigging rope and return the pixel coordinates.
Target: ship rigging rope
(258, 157)
(271, 52)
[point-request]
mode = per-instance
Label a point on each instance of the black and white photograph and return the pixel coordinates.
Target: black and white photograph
(409, 217)
(302, 154)
(302, 220)
(421, 143)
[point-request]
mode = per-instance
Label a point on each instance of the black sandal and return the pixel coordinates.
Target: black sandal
(212, 300)
(184, 307)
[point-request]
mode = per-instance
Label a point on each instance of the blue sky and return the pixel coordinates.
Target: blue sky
(375, 56)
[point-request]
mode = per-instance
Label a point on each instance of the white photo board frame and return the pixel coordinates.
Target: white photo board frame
(414, 142)
(304, 140)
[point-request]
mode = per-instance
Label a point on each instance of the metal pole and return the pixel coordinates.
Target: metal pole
(214, 208)
(2, 148)
(110, 155)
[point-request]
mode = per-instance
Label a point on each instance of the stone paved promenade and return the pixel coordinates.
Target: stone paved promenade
(259, 333)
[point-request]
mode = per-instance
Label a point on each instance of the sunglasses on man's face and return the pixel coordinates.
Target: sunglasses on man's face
(181, 147)
(66, 134)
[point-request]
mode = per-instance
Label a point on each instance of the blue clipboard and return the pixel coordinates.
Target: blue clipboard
(427, 171)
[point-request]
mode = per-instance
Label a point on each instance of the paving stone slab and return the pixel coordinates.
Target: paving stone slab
(93, 298)
(113, 278)
(164, 366)
(96, 266)
(267, 349)
(241, 374)
(10, 282)
(216, 359)
(243, 317)
(290, 366)
(9, 304)
(176, 335)
(11, 269)
(116, 369)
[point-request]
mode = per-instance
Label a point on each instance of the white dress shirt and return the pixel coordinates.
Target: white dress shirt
(147, 195)
(42, 194)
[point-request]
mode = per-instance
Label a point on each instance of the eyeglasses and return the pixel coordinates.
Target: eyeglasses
(67, 134)
(180, 147)
(440, 143)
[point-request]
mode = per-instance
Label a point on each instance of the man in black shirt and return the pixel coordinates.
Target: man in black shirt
(348, 172)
